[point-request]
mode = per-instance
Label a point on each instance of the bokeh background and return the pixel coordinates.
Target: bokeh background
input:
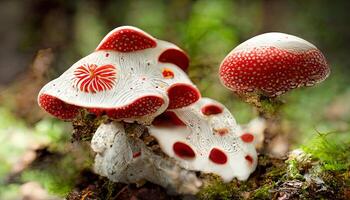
(40, 39)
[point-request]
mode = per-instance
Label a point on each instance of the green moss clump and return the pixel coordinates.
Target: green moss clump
(57, 178)
(332, 152)
(263, 192)
(258, 186)
(56, 172)
(293, 170)
(215, 188)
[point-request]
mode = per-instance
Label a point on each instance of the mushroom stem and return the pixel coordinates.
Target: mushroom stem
(268, 108)
(125, 153)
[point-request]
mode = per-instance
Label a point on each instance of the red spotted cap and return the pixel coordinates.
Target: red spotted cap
(205, 137)
(131, 76)
(272, 64)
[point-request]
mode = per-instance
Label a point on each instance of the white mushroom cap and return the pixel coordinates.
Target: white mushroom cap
(278, 40)
(205, 137)
(131, 76)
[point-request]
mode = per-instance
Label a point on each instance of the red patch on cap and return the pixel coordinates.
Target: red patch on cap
(143, 106)
(181, 95)
(57, 107)
(136, 154)
(247, 137)
(183, 150)
(127, 40)
(176, 57)
(167, 73)
(211, 109)
(168, 119)
(272, 71)
(249, 159)
(91, 78)
(217, 156)
(221, 131)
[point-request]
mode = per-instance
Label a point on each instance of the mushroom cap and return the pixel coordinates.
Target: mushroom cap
(207, 141)
(131, 76)
(272, 64)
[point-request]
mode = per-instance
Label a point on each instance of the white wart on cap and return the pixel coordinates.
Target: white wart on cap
(205, 137)
(131, 76)
(272, 64)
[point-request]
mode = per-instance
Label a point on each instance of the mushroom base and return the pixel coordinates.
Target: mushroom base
(122, 156)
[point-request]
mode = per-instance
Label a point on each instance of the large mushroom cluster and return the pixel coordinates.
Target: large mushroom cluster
(160, 129)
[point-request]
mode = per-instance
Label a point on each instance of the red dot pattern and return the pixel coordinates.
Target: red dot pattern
(183, 150)
(211, 109)
(217, 156)
(176, 57)
(127, 40)
(247, 137)
(168, 119)
(272, 71)
(181, 95)
(140, 107)
(57, 107)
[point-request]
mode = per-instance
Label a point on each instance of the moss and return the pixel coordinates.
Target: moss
(258, 186)
(274, 178)
(268, 107)
(275, 172)
(10, 191)
(85, 126)
(111, 189)
(293, 170)
(263, 192)
(216, 189)
(57, 172)
(57, 178)
(332, 152)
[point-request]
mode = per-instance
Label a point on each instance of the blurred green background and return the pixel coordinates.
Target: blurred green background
(206, 29)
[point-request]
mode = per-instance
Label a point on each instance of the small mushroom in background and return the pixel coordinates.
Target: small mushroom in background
(267, 66)
(123, 158)
(271, 64)
(131, 76)
(205, 137)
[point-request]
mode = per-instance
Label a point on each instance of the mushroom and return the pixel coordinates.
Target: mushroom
(268, 65)
(271, 64)
(205, 137)
(123, 158)
(131, 76)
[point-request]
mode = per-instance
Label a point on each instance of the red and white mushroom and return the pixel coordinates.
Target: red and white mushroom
(272, 64)
(205, 137)
(131, 76)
